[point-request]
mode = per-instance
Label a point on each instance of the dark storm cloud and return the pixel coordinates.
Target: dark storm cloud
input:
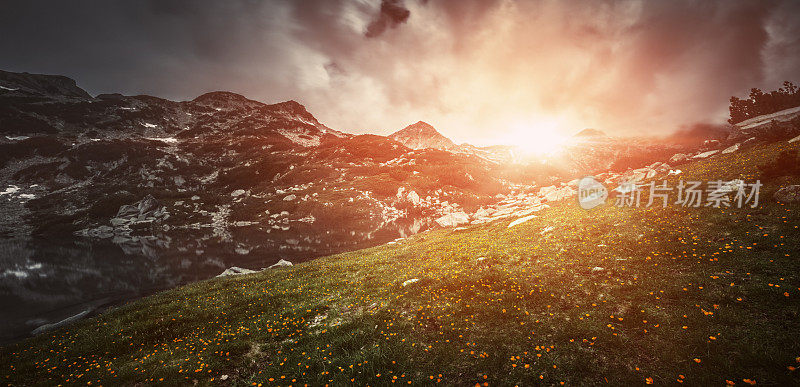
(471, 67)
(391, 14)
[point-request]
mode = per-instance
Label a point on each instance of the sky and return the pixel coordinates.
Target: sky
(480, 71)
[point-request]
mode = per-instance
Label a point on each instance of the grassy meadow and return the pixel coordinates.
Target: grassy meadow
(621, 296)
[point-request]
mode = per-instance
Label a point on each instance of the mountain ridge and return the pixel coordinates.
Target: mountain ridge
(422, 135)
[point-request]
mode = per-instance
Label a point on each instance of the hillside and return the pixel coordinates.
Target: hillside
(110, 198)
(701, 296)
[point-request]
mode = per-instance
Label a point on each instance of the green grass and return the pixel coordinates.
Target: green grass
(700, 296)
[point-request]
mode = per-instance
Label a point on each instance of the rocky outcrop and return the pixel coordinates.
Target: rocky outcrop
(678, 158)
(453, 219)
(234, 270)
(731, 149)
(706, 154)
(281, 263)
(146, 210)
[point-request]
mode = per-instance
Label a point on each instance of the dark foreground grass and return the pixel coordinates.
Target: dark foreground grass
(621, 296)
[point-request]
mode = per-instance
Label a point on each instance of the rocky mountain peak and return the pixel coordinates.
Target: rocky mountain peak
(225, 100)
(40, 84)
(591, 133)
(422, 135)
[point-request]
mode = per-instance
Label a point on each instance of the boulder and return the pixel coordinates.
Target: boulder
(705, 154)
(289, 198)
(547, 230)
(148, 209)
(409, 282)
(521, 220)
(238, 192)
(730, 149)
(414, 198)
(678, 158)
(788, 194)
(281, 263)
(118, 222)
(795, 139)
(453, 219)
(234, 270)
(148, 204)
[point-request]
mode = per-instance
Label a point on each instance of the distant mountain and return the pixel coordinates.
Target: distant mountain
(232, 174)
(240, 175)
(422, 135)
(25, 84)
(591, 133)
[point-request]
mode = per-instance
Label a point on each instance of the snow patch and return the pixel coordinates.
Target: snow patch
(10, 190)
(168, 140)
(300, 138)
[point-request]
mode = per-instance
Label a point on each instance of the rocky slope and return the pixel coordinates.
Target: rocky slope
(105, 198)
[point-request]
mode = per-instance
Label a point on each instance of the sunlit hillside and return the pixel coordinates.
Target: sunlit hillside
(701, 296)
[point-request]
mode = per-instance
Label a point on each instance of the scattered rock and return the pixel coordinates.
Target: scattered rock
(453, 219)
(789, 194)
(521, 220)
(705, 154)
(557, 194)
(730, 149)
(234, 270)
(281, 263)
(146, 210)
(409, 282)
(678, 158)
(66, 321)
(414, 198)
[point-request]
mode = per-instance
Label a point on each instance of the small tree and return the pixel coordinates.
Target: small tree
(759, 103)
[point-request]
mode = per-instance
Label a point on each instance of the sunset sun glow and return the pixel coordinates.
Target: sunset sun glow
(537, 138)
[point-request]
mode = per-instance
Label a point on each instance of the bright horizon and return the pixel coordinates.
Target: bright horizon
(475, 70)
